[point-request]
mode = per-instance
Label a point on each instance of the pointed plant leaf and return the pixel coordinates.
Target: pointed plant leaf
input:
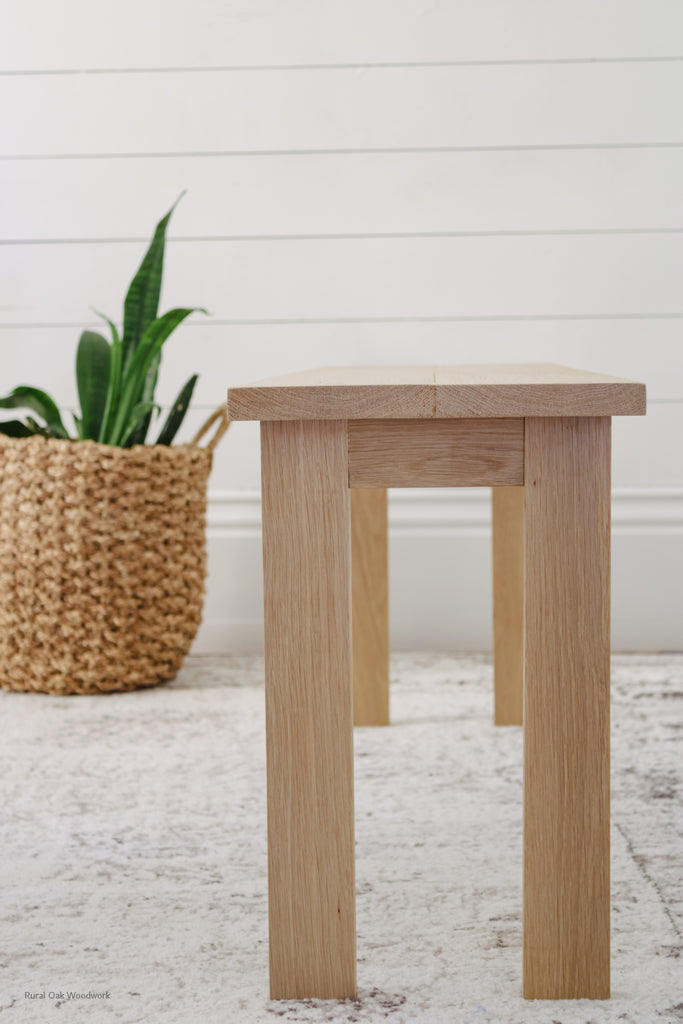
(141, 410)
(177, 413)
(142, 301)
(133, 381)
(148, 388)
(114, 382)
(93, 367)
(15, 428)
(39, 402)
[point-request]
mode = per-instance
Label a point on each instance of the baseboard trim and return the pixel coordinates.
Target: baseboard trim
(440, 568)
(460, 509)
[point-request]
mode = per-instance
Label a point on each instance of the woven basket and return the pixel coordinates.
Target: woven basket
(102, 561)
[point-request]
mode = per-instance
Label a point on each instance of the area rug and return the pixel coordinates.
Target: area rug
(134, 854)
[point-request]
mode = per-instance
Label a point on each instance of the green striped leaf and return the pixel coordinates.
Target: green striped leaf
(142, 301)
(139, 435)
(134, 377)
(141, 410)
(177, 413)
(114, 382)
(93, 368)
(15, 428)
(39, 402)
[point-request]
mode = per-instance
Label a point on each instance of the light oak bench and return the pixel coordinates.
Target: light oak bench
(332, 441)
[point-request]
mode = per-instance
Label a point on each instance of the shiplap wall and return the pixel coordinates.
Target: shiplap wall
(368, 182)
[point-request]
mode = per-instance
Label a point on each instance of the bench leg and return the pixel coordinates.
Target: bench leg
(370, 588)
(309, 709)
(566, 708)
(507, 506)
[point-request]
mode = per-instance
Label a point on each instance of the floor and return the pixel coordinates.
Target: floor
(134, 863)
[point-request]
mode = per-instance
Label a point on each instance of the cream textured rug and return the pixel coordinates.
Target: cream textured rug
(134, 856)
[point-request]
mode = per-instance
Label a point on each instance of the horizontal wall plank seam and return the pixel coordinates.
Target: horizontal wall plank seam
(638, 508)
(288, 321)
(364, 151)
(350, 236)
(367, 65)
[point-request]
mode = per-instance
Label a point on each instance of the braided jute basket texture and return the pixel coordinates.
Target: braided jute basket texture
(102, 561)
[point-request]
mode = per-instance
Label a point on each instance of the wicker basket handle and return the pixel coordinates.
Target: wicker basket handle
(221, 413)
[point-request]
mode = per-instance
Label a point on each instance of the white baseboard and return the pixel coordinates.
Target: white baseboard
(440, 569)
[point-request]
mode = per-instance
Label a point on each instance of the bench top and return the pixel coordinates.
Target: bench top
(436, 392)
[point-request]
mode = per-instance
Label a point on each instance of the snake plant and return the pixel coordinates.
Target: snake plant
(116, 380)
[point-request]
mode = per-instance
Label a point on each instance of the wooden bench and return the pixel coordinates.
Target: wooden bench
(332, 441)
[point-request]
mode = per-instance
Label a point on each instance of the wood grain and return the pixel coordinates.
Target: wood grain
(370, 589)
(436, 453)
(338, 392)
(309, 712)
(566, 709)
(508, 603)
(534, 389)
(437, 392)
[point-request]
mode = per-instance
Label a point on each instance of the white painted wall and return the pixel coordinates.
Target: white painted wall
(368, 182)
